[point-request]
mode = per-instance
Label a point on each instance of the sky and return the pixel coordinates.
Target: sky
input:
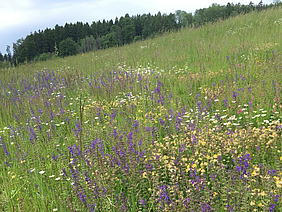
(19, 18)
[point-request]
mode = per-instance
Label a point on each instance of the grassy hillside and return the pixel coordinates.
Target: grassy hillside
(187, 121)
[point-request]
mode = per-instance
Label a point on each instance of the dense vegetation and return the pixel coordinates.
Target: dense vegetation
(49, 43)
(190, 121)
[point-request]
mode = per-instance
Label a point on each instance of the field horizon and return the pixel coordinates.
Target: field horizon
(188, 121)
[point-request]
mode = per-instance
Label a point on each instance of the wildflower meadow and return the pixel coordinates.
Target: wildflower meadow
(189, 121)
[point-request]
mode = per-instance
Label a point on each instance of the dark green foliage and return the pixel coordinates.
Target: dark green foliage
(68, 47)
(127, 29)
(1, 57)
(105, 34)
(87, 44)
(44, 57)
(137, 38)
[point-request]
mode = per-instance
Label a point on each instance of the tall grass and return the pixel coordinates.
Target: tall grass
(187, 121)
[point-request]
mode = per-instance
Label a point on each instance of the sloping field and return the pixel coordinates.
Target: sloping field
(190, 121)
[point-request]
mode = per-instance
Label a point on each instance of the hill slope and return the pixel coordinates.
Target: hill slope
(187, 121)
(187, 46)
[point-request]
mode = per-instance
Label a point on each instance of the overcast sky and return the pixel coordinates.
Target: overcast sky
(18, 18)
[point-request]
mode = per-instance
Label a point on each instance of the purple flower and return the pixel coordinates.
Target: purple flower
(235, 95)
(143, 202)
(272, 207)
(276, 198)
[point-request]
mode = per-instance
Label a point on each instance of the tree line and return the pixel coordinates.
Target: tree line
(79, 37)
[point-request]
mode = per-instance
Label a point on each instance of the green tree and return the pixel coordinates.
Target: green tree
(213, 13)
(24, 50)
(87, 44)
(68, 47)
(183, 19)
(197, 20)
(117, 36)
(179, 14)
(147, 26)
(1, 57)
(127, 29)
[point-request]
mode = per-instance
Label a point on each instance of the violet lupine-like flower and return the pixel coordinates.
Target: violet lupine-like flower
(82, 197)
(272, 207)
(135, 124)
(115, 133)
(164, 196)
(271, 172)
(32, 135)
(54, 157)
(276, 198)
(162, 121)
(234, 95)
(64, 171)
(195, 140)
(205, 207)
(92, 207)
(67, 120)
(74, 149)
(225, 102)
(218, 117)
(97, 144)
(229, 208)
(52, 115)
(186, 202)
(40, 111)
(4, 146)
(244, 165)
(274, 87)
(149, 167)
(142, 201)
(77, 129)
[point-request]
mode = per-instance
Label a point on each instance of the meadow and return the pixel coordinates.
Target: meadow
(189, 121)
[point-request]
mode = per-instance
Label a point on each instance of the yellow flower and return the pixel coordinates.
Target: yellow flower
(260, 205)
(279, 183)
(252, 203)
(257, 169)
(254, 173)
(187, 168)
(262, 193)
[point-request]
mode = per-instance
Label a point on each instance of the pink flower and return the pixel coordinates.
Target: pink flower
(58, 114)
(276, 99)
(240, 111)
